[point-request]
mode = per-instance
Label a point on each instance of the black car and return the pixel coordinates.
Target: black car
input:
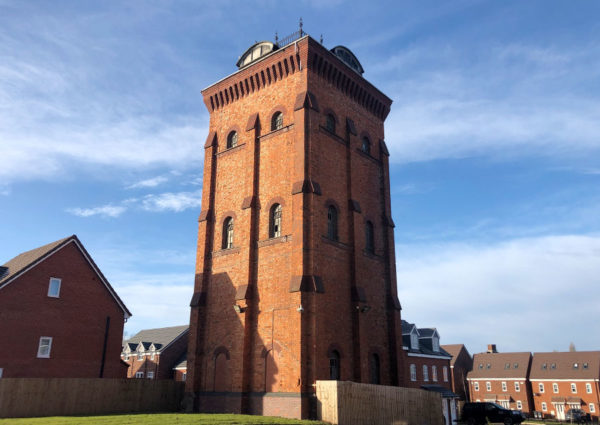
(481, 413)
(577, 415)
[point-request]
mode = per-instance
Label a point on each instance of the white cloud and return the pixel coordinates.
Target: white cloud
(103, 211)
(515, 294)
(152, 182)
(177, 202)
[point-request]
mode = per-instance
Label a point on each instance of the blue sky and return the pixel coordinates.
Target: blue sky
(494, 137)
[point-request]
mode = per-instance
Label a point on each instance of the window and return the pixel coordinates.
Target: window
(275, 221)
(44, 347)
(375, 369)
(369, 237)
(504, 387)
(1, 370)
(585, 365)
(150, 375)
(332, 230)
(592, 407)
(425, 373)
(488, 386)
(480, 365)
(588, 388)
(435, 344)
(330, 123)
(366, 145)
(227, 233)
(184, 376)
(126, 356)
(544, 407)
(553, 366)
(277, 121)
(476, 386)
(574, 388)
(414, 341)
(516, 365)
(544, 366)
(575, 365)
(445, 371)
(555, 388)
(54, 287)
(517, 387)
(413, 372)
(232, 140)
(489, 366)
(507, 366)
(434, 373)
(519, 404)
(334, 365)
(139, 374)
(541, 387)
(140, 356)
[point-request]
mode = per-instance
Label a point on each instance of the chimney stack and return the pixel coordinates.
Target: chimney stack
(492, 348)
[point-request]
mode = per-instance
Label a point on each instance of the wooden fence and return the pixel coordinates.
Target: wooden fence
(31, 397)
(349, 403)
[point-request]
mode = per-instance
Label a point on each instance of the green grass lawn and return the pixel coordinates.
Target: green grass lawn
(155, 419)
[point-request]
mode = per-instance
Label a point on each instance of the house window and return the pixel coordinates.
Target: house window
(332, 223)
(370, 239)
(140, 356)
(476, 386)
(588, 388)
(126, 356)
(488, 386)
(489, 366)
(434, 373)
(139, 374)
(544, 366)
(592, 407)
(413, 372)
(516, 366)
(504, 387)
(232, 140)
(366, 145)
(507, 366)
(152, 356)
(275, 221)
(425, 373)
(44, 347)
(519, 404)
(334, 365)
(553, 366)
(445, 370)
(517, 387)
(575, 365)
(330, 123)
(555, 388)
(54, 287)
(150, 375)
(184, 376)
(375, 369)
(277, 121)
(414, 341)
(544, 407)
(574, 388)
(227, 233)
(541, 387)
(585, 365)
(435, 344)
(480, 365)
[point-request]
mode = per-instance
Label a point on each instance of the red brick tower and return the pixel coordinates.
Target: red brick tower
(295, 276)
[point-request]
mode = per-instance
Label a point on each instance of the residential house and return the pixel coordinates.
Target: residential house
(563, 381)
(153, 353)
(59, 316)
(460, 365)
(501, 378)
(180, 369)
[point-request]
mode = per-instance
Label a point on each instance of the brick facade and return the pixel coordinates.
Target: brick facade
(305, 300)
(460, 365)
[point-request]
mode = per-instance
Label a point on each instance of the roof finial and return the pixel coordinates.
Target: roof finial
(321, 38)
(276, 38)
(301, 32)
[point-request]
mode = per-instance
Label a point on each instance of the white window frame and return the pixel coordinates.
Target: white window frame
(1, 371)
(425, 373)
(150, 375)
(140, 356)
(152, 356)
(184, 376)
(476, 386)
(445, 371)
(488, 386)
(434, 376)
(544, 406)
(519, 404)
(435, 344)
(139, 374)
(413, 372)
(517, 387)
(588, 388)
(58, 282)
(573, 388)
(541, 387)
(40, 354)
(592, 408)
(414, 341)
(555, 388)
(504, 387)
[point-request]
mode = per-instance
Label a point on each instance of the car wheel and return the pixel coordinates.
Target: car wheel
(508, 421)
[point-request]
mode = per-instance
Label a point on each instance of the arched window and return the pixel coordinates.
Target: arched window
(330, 123)
(277, 121)
(369, 238)
(413, 372)
(425, 373)
(375, 369)
(366, 145)
(334, 365)
(227, 233)
(275, 221)
(232, 140)
(332, 223)
(434, 373)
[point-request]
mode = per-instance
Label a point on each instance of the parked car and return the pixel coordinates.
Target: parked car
(481, 413)
(577, 415)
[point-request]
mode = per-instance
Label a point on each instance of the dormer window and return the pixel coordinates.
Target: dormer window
(507, 366)
(553, 366)
(435, 343)
(516, 365)
(480, 365)
(414, 341)
(489, 366)
(544, 366)
(585, 365)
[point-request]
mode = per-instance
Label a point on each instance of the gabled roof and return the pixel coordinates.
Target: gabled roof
(407, 327)
(454, 350)
(22, 263)
(500, 365)
(423, 334)
(427, 333)
(562, 365)
(162, 337)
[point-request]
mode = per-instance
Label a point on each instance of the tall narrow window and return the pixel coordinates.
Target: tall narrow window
(44, 347)
(541, 387)
(232, 140)
(517, 387)
(445, 373)
(330, 123)
(332, 223)
(54, 287)
(370, 238)
(555, 388)
(425, 373)
(275, 221)
(574, 388)
(228, 233)
(434, 373)
(366, 145)
(276, 121)
(413, 372)
(334, 365)
(375, 369)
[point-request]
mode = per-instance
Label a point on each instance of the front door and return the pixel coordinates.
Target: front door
(560, 411)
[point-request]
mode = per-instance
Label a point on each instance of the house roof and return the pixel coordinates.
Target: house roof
(160, 336)
(407, 327)
(425, 347)
(454, 350)
(500, 365)
(23, 262)
(562, 365)
(427, 332)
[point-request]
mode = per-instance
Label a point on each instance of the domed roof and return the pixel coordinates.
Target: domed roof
(255, 52)
(346, 56)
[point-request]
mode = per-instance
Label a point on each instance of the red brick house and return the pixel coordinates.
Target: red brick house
(59, 316)
(154, 353)
(501, 378)
(180, 369)
(563, 381)
(460, 365)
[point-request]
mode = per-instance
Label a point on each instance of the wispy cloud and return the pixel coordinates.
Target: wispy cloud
(103, 211)
(152, 182)
(176, 202)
